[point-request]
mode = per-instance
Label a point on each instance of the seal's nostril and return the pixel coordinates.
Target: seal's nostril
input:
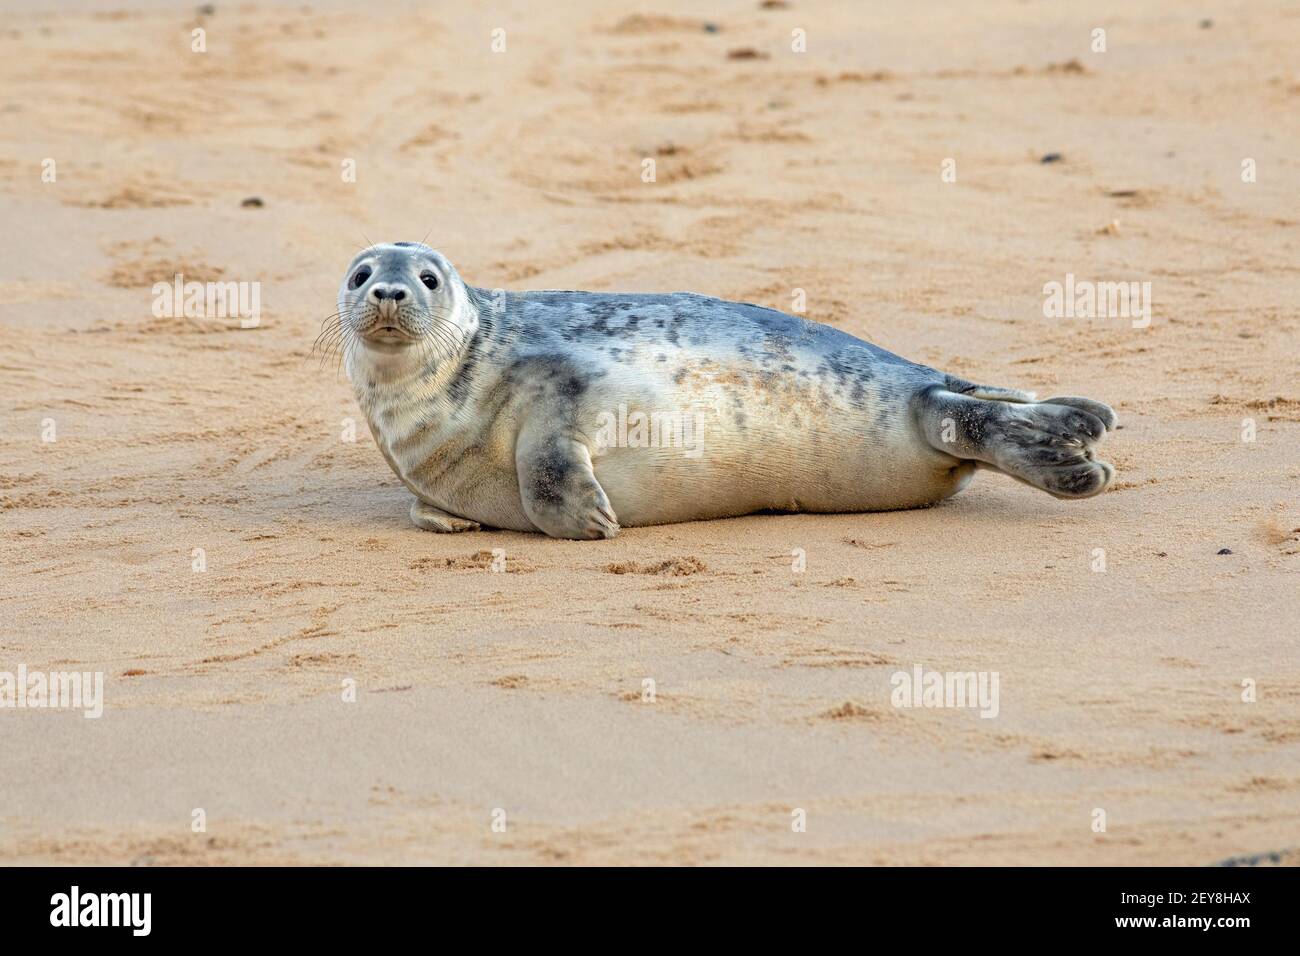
(398, 294)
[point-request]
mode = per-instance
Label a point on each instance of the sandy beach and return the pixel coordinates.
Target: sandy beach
(197, 511)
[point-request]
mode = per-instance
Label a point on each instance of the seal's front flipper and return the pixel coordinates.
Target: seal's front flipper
(558, 488)
(1048, 444)
(429, 518)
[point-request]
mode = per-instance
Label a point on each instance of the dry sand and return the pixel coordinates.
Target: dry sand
(523, 690)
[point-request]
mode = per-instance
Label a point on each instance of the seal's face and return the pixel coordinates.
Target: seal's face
(396, 296)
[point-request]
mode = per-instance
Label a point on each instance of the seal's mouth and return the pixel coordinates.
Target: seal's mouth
(386, 333)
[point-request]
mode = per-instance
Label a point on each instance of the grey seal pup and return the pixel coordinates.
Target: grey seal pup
(575, 413)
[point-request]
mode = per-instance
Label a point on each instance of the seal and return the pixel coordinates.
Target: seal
(575, 413)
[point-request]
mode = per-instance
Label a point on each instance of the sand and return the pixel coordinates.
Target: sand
(518, 697)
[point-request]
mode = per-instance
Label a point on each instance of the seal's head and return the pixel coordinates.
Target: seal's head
(403, 299)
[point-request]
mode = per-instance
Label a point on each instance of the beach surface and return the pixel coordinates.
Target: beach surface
(294, 674)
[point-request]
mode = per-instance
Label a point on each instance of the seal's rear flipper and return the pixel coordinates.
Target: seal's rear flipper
(1047, 444)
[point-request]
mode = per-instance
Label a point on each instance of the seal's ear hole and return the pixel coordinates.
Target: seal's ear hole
(429, 279)
(360, 276)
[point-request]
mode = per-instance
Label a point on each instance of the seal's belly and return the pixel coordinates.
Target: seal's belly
(714, 439)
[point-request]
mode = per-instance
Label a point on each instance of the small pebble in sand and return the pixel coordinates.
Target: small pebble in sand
(1224, 551)
(711, 28)
(1110, 229)
(1206, 24)
(745, 53)
(207, 10)
(1052, 158)
(1070, 66)
(253, 202)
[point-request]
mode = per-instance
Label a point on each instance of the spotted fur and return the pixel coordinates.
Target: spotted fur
(491, 406)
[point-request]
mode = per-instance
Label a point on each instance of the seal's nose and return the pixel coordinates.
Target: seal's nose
(387, 290)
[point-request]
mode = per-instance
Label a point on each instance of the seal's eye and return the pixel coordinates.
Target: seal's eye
(360, 276)
(429, 279)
